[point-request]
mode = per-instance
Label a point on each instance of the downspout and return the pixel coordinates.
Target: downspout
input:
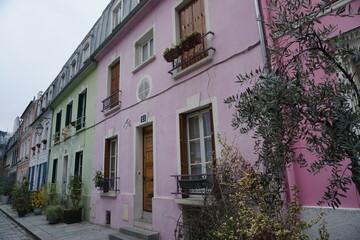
(261, 34)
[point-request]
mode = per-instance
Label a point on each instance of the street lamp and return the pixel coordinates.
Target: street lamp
(39, 129)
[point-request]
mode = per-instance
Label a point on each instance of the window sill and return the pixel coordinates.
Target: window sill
(136, 69)
(111, 110)
(179, 73)
(109, 194)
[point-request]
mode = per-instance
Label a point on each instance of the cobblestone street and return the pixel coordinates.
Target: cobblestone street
(9, 230)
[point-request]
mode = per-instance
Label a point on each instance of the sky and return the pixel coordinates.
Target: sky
(37, 37)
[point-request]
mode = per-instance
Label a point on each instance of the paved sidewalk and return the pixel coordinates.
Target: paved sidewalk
(39, 227)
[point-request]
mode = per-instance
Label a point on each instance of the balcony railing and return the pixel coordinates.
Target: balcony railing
(193, 184)
(56, 137)
(199, 51)
(111, 185)
(80, 122)
(112, 101)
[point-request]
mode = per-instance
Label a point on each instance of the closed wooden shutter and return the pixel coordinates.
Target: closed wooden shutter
(192, 17)
(115, 80)
(183, 145)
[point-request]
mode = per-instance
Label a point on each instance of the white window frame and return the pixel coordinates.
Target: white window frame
(117, 14)
(201, 138)
(147, 38)
(86, 52)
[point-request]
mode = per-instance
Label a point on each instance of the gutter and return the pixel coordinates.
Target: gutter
(261, 34)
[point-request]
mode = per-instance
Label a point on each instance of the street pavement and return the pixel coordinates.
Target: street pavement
(39, 227)
(9, 230)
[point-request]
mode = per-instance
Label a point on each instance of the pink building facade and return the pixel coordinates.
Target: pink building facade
(153, 124)
(158, 120)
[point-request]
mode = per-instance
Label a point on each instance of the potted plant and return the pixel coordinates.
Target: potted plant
(38, 145)
(73, 123)
(21, 197)
(100, 181)
(6, 186)
(54, 213)
(21, 205)
(38, 200)
(73, 213)
(33, 148)
(44, 141)
(170, 54)
(191, 40)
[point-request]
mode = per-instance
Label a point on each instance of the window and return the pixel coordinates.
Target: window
(54, 171)
(197, 142)
(143, 89)
(62, 80)
(122, 9)
(192, 18)
(78, 164)
(86, 52)
(73, 68)
(68, 113)
(80, 123)
(57, 126)
(110, 163)
(144, 48)
(114, 85)
(117, 14)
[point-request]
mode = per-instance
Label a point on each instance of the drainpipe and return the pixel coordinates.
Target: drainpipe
(261, 33)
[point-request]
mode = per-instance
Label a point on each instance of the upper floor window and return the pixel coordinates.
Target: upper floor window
(113, 98)
(68, 113)
(86, 52)
(144, 48)
(122, 9)
(57, 126)
(73, 68)
(81, 114)
(192, 18)
(117, 14)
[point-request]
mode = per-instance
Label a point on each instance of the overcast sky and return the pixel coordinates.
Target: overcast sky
(37, 37)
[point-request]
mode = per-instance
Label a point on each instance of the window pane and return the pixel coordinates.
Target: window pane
(195, 152)
(145, 52)
(194, 127)
(206, 123)
(195, 169)
(151, 47)
(208, 149)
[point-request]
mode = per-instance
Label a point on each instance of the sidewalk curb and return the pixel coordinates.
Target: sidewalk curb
(20, 224)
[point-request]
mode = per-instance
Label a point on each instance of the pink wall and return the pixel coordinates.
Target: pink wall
(235, 28)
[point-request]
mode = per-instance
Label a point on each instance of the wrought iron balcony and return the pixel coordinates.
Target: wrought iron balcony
(80, 122)
(193, 184)
(110, 184)
(112, 101)
(193, 55)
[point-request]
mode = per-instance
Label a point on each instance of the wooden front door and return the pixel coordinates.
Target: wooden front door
(148, 177)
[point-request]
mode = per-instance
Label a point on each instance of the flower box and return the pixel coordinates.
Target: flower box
(170, 54)
(38, 145)
(191, 41)
(33, 148)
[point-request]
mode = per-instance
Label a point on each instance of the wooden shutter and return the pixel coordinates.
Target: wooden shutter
(192, 17)
(107, 159)
(183, 145)
(115, 78)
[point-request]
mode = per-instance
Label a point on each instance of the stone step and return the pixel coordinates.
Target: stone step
(122, 236)
(140, 233)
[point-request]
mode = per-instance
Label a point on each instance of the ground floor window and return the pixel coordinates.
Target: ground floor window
(78, 164)
(197, 142)
(110, 162)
